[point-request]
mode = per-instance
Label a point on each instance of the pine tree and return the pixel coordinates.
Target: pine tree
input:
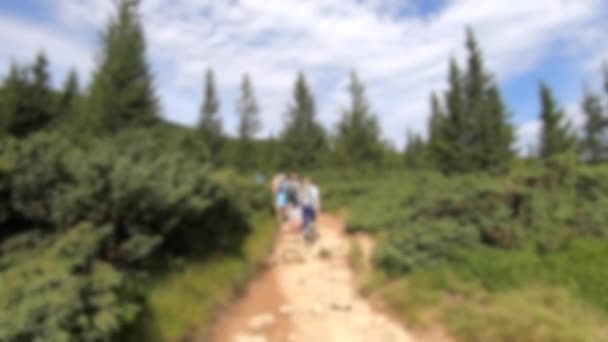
(438, 143)
(457, 156)
(40, 102)
(27, 99)
(556, 134)
(14, 98)
(210, 124)
(303, 140)
(498, 134)
(605, 69)
(122, 93)
(67, 102)
(476, 134)
(491, 134)
(358, 140)
(594, 139)
(415, 151)
(249, 125)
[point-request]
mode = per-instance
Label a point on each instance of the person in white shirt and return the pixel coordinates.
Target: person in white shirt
(308, 197)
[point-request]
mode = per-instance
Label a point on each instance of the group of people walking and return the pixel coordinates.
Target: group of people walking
(297, 203)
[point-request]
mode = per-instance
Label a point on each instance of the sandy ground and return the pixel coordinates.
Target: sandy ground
(308, 295)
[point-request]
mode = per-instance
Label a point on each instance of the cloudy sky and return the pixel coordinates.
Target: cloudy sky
(399, 47)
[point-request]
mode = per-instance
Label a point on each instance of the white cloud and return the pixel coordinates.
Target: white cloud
(21, 40)
(402, 57)
(527, 137)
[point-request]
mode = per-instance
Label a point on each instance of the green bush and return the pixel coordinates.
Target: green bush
(56, 288)
(136, 203)
(421, 244)
(546, 205)
(148, 199)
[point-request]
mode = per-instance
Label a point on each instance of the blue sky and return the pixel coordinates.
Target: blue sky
(399, 47)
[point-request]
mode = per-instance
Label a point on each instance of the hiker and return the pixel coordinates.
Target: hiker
(279, 190)
(292, 187)
(294, 212)
(308, 195)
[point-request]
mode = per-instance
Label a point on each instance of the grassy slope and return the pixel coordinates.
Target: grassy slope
(186, 301)
(514, 297)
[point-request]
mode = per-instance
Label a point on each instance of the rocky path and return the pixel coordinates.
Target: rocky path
(308, 295)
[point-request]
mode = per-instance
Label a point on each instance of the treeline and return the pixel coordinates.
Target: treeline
(469, 127)
(303, 143)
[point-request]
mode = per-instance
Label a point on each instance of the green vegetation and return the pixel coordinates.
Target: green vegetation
(111, 220)
(470, 131)
(490, 257)
(187, 299)
(92, 222)
(249, 125)
(358, 139)
(356, 256)
(472, 313)
(210, 123)
(557, 136)
(303, 140)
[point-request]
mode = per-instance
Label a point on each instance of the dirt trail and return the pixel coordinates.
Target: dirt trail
(308, 295)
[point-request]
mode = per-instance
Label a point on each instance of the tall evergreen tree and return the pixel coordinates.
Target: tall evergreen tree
(491, 133)
(556, 134)
(13, 110)
(41, 96)
(358, 140)
(605, 69)
(476, 132)
(497, 134)
(249, 125)
(456, 157)
(27, 99)
(68, 99)
(122, 93)
(210, 123)
(594, 142)
(303, 140)
(415, 151)
(438, 142)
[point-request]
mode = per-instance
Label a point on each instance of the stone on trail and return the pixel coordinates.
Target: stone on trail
(259, 322)
(341, 305)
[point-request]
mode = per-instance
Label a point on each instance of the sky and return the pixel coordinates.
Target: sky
(400, 49)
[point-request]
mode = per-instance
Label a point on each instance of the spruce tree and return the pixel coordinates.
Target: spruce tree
(27, 98)
(594, 138)
(437, 143)
(67, 101)
(491, 133)
(210, 124)
(556, 134)
(476, 132)
(14, 98)
(415, 151)
(358, 140)
(122, 93)
(40, 102)
(498, 134)
(457, 156)
(303, 140)
(249, 125)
